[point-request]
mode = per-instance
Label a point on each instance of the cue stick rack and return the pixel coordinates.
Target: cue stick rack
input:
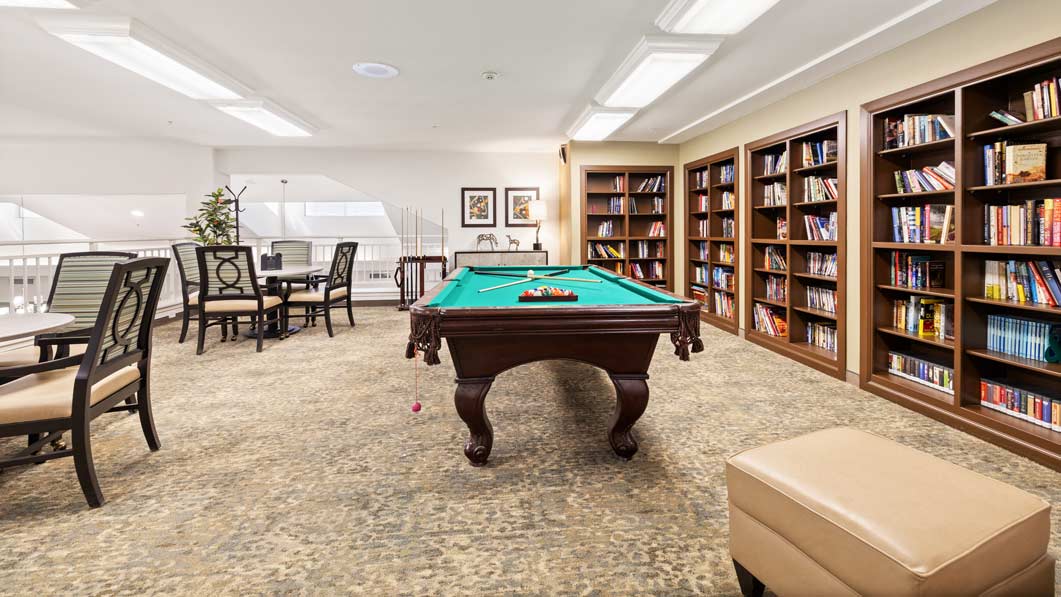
(411, 274)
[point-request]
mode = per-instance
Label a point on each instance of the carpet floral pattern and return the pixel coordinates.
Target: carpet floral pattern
(301, 470)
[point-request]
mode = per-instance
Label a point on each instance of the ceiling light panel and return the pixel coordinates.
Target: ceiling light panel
(267, 116)
(60, 4)
(375, 70)
(598, 123)
(132, 46)
(723, 17)
(655, 65)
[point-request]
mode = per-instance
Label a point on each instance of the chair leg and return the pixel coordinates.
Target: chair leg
(86, 470)
(235, 327)
(131, 400)
(224, 329)
(749, 585)
(184, 326)
(328, 320)
(350, 311)
(147, 420)
(261, 331)
(202, 336)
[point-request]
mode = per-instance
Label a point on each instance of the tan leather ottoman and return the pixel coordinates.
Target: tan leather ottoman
(844, 512)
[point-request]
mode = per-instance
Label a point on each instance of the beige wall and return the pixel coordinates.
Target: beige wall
(999, 29)
(586, 153)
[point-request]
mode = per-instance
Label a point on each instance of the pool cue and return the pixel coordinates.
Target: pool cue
(506, 274)
(532, 278)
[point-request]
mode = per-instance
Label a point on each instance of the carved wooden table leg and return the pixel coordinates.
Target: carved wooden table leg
(631, 398)
(470, 400)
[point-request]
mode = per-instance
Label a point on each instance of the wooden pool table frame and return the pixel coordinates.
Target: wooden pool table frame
(485, 341)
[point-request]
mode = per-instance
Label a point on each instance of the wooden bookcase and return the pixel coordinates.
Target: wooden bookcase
(970, 95)
(711, 237)
(632, 222)
(798, 248)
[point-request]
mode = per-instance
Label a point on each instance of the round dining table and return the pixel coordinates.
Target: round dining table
(271, 277)
(20, 325)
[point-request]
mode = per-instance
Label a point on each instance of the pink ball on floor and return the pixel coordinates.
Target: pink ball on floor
(416, 407)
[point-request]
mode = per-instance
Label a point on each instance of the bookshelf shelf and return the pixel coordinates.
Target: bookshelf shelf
(1001, 188)
(815, 337)
(710, 252)
(970, 96)
(915, 195)
(1026, 128)
(605, 189)
(940, 145)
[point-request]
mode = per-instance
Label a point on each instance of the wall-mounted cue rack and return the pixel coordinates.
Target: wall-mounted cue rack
(626, 221)
(961, 354)
(795, 256)
(711, 238)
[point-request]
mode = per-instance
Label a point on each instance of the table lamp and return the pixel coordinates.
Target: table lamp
(537, 213)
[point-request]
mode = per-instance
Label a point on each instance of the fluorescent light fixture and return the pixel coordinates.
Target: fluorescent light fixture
(724, 17)
(653, 67)
(129, 44)
(136, 213)
(60, 4)
(267, 116)
(375, 70)
(598, 123)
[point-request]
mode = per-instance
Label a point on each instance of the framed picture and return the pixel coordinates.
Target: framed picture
(477, 207)
(517, 206)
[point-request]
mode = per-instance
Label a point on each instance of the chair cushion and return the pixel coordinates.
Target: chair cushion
(887, 519)
(49, 395)
(30, 356)
(315, 296)
(193, 298)
(242, 305)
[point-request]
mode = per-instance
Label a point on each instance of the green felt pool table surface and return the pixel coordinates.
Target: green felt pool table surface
(602, 288)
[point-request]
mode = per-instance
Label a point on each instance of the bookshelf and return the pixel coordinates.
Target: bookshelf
(970, 95)
(711, 238)
(798, 279)
(621, 211)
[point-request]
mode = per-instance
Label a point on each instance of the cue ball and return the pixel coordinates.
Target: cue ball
(416, 407)
(530, 272)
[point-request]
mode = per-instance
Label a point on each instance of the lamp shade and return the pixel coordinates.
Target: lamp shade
(537, 210)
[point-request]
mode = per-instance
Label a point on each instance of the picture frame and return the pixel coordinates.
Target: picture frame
(517, 206)
(478, 207)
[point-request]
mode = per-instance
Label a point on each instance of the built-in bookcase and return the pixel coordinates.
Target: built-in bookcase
(711, 237)
(794, 259)
(626, 221)
(959, 353)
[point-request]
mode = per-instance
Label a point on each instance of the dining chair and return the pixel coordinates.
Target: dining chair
(229, 290)
(67, 394)
(336, 292)
(295, 252)
(188, 267)
(77, 289)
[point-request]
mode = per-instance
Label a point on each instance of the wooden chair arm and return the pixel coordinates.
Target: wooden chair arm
(63, 363)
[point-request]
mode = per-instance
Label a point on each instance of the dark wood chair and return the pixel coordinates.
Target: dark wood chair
(77, 289)
(188, 267)
(336, 292)
(229, 290)
(295, 252)
(67, 394)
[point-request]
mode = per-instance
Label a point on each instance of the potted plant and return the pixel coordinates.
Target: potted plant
(215, 223)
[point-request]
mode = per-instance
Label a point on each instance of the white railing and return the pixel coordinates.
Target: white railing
(26, 277)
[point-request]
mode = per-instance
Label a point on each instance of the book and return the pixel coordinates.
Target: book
(1022, 337)
(928, 223)
(769, 321)
(915, 129)
(1031, 223)
(929, 178)
(917, 272)
(821, 264)
(822, 334)
(1026, 163)
(922, 371)
(1034, 406)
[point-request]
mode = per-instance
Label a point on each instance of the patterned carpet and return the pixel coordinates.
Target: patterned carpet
(301, 470)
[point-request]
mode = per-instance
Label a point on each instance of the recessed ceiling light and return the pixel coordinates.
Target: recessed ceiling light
(597, 123)
(62, 4)
(136, 213)
(711, 16)
(490, 75)
(653, 67)
(127, 43)
(375, 70)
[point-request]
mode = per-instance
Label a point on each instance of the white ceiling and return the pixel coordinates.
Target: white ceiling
(553, 56)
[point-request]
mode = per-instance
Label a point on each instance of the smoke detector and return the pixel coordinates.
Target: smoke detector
(490, 75)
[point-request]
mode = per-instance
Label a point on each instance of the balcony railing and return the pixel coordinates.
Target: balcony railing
(26, 276)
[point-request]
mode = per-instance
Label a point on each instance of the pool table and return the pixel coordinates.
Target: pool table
(614, 324)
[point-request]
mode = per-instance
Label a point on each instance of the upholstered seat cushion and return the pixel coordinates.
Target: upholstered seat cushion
(193, 298)
(30, 356)
(242, 305)
(315, 296)
(842, 511)
(49, 395)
